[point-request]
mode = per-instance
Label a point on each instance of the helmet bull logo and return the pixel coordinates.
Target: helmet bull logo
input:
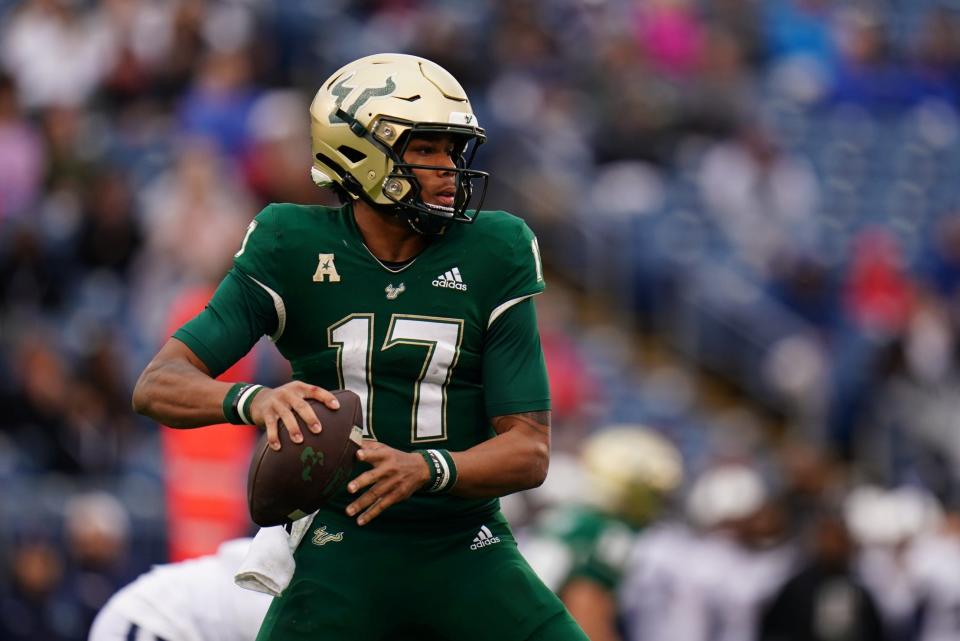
(341, 90)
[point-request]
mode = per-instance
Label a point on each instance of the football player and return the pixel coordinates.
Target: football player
(581, 548)
(420, 303)
(186, 601)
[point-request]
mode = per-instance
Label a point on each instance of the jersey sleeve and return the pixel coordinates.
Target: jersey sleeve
(514, 371)
(247, 305)
(259, 254)
(522, 272)
(239, 313)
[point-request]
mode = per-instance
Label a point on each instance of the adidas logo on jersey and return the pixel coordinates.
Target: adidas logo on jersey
(484, 538)
(450, 279)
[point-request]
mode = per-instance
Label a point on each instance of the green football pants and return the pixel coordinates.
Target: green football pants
(366, 584)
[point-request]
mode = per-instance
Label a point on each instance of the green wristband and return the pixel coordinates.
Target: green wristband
(229, 403)
(434, 466)
(236, 404)
(449, 472)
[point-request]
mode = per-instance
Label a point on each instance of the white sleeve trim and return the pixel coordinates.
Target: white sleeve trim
(277, 305)
(502, 307)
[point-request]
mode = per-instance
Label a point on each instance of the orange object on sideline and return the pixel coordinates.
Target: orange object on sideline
(205, 469)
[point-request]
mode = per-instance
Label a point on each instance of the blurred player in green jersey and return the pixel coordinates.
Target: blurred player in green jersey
(421, 304)
(581, 548)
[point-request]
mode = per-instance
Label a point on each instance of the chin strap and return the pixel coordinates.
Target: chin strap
(424, 223)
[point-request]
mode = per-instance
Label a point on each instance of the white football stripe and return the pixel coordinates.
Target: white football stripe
(501, 308)
(243, 399)
(278, 306)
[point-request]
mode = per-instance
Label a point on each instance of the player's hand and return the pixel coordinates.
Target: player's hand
(395, 476)
(270, 406)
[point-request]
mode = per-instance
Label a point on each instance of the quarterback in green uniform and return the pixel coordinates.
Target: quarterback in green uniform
(421, 304)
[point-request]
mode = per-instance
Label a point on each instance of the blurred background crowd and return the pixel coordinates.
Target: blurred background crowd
(750, 214)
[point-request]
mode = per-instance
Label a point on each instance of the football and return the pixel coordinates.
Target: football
(294, 481)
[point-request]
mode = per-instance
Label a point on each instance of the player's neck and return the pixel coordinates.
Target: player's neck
(387, 237)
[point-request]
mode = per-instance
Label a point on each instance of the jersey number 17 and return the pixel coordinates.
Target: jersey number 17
(352, 337)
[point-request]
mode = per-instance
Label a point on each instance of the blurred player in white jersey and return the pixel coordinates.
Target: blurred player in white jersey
(194, 600)
(934, 563)
(893, 528)
(707, 582)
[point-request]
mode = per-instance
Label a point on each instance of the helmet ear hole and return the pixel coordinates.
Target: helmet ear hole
(355, 155)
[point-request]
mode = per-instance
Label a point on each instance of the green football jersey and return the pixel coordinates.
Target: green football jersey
(431, 348)
(575, 541)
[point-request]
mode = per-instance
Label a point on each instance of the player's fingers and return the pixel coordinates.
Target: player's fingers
(390, 493)
(373, 451)
(365, 500)
(322, 395)
(273, 438)
(367, 478)
(309, 417)
(376, 509)
(293, 428)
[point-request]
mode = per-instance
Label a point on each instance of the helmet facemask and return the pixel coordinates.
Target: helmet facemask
(401, 185)
(429, 218)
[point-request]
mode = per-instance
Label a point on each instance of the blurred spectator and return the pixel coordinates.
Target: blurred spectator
(143, 36)
(57, 51)
(98, 541)
(639, 110)
(672, 36)
(109, 236)
(801, 29)
(742, 21)
(941, 263)
(36, 407)
(763, 199)
(219, 103)
(195, 214)
(824, 601)
(34, 603)
(938, 52)
(72, 151)
(724, 93)
(21, 155)
(32, 279)
(870, 76)
(279, 141)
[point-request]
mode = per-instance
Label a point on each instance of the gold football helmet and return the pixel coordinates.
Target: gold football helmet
(631, 470)
(362, 119)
